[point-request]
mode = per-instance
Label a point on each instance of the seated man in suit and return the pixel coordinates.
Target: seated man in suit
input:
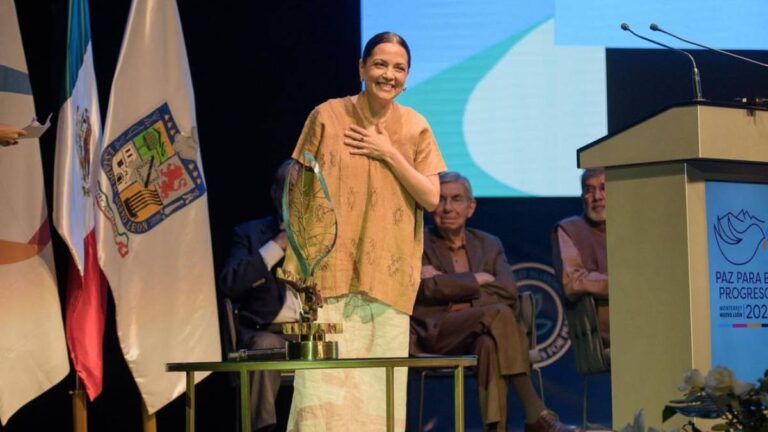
(248, 279)
(580, 254)
(466, 305)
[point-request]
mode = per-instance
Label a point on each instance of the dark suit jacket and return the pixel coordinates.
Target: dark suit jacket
(436, 294)
(246, 279)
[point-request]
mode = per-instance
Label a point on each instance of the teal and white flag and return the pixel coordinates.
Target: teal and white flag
(153, 232)
(78, 145)
(33, 354)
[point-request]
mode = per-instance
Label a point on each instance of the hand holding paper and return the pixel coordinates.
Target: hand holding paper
(34, 129)
(9, 135)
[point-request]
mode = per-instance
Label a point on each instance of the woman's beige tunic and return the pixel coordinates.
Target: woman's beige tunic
(380, 234)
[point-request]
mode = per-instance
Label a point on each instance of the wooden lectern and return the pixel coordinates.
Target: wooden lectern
(657, 241)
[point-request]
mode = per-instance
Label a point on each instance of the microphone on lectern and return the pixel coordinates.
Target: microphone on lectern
(694, 70)
(655, 27)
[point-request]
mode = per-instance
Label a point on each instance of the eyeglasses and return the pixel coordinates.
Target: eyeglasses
(592, 190)
(456, 200)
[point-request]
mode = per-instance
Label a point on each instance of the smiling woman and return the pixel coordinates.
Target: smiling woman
(381, 162)
(384, 69)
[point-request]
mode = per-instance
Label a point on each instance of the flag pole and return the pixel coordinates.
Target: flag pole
(79, 407)
(148, 421)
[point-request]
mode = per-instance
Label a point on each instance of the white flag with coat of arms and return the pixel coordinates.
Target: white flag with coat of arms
(153, 232)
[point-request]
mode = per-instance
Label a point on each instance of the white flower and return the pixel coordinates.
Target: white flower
(719, 381)
(693, 379)
(740, 388)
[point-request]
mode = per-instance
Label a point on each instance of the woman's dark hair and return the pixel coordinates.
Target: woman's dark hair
(385, 37)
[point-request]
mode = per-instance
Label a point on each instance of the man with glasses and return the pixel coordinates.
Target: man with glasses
(580, 254)
(466, 305)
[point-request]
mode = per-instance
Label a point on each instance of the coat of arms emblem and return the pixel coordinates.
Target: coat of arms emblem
(152, 170)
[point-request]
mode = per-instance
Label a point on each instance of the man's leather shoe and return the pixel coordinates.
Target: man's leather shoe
(548, 421)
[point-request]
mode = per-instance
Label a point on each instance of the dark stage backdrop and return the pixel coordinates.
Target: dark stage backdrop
(258, 69)
(642, 82)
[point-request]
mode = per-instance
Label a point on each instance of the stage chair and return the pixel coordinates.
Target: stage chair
(526, 315)
(591, 356)
(230, 315)
(230, 347)
(231, 352)
(527, 310)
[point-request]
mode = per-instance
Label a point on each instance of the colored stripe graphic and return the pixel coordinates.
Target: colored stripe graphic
(14, 81)
(13, 252)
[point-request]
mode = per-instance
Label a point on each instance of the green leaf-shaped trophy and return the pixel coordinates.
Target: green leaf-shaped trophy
(311, 226)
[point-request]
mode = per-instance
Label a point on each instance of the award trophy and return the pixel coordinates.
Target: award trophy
(311, 226)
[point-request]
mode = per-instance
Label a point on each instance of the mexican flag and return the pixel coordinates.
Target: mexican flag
(78, 144)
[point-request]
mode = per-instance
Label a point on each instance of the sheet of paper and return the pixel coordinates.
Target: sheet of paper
(34, 129)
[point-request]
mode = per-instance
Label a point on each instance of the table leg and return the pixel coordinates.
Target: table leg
(458, 398)
(190, 401)
(390, 399)
(245, 405)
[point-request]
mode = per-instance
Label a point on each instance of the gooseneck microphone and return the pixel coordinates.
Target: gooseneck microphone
(694, 71)
(655, 27)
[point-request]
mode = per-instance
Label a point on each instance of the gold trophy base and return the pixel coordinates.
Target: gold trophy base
(312, 350)
(311, 344)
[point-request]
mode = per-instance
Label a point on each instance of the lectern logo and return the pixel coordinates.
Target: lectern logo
(739, 236)
(551, 325)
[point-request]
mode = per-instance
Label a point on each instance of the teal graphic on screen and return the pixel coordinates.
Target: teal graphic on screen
(513, 88)
(737, 216)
